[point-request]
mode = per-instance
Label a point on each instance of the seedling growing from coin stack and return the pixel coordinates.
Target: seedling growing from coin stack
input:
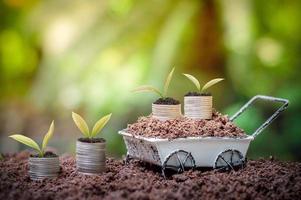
(90, 151)
(43, 164)
(164, 107)
(198, 105)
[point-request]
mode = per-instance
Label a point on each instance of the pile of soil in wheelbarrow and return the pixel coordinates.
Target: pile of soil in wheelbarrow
(218, 126)
(261, 179)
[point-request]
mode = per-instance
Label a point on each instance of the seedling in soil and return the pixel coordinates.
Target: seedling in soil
(162, 94)
(83, 127)
(41, 150)
(201, 91)
(90, 151)
(198, 105)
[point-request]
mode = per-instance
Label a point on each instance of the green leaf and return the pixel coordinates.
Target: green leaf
(167, 82)
(100, 124)
(211, 83)
(81, 124)
(27, 141)
(47, 137)
(147, 88)
(193, 80)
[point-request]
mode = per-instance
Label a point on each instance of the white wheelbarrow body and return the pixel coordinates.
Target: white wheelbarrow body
(190, 152)
(204, 150)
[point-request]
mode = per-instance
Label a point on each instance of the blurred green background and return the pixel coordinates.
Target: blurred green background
(58, 56)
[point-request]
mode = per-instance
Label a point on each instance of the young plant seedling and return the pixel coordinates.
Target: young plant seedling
(163, 95)
(83, 127)
(201, 91)
(31, 143)
(90, 151)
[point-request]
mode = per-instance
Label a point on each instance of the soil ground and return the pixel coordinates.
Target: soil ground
(260, 179)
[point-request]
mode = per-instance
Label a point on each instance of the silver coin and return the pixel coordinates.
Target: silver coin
(90, 157)
(40, 168)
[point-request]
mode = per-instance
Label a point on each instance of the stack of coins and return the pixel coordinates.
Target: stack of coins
(40, 168)
(165, 112)
(198, 107)
(90, 157)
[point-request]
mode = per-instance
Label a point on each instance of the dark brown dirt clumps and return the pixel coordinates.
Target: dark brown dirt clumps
(262, 179)
(197, 94)
(47, 154)
(92, 140)
(218, 126)
(167, 101)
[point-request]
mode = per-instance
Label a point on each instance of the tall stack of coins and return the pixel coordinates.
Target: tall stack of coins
(165, 112)
(90, 157)
(198, 107)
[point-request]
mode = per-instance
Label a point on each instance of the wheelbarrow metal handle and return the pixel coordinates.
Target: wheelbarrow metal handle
(284, 102)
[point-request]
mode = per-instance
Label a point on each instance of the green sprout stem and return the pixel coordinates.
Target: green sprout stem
(149, 88)
(31, 143)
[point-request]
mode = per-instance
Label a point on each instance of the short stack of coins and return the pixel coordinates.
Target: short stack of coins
(166, 112)
(198, 107)
(90, 157)
(40, 168)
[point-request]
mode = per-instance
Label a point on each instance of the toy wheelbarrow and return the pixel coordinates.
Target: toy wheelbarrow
(186, 153)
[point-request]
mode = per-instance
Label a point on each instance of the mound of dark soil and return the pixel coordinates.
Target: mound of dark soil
(92, 140)
(48, 154)
(262, 179)
(218, 126)
(197, 94)
(167, 101)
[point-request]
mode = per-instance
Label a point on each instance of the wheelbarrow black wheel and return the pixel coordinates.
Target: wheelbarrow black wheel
(230, 159)
(127, 159)
(178, 161)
